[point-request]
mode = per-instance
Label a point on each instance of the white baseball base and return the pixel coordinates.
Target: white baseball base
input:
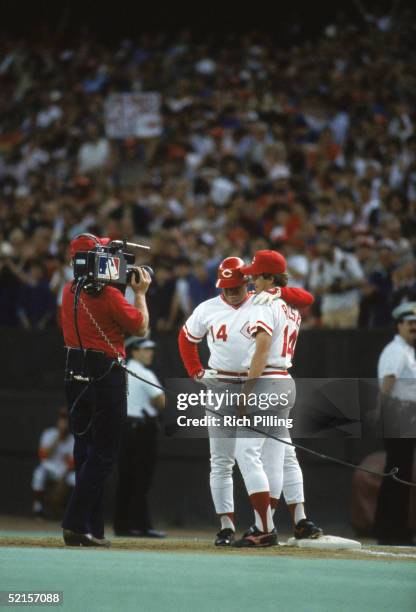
(326, 542)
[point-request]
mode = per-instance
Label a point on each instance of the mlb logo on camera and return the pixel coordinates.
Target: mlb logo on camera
(108, 268)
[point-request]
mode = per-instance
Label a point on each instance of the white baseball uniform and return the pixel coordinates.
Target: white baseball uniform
(226, 328)
(56, 465)
(261, 459)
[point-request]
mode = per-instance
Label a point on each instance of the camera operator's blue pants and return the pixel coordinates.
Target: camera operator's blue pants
(95, 452)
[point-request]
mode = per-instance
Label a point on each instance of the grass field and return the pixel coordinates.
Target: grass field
(187, 573)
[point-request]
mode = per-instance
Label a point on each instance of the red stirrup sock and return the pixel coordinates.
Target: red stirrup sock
(262, 511)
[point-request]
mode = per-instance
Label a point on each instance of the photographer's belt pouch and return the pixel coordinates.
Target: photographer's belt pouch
(86, 363)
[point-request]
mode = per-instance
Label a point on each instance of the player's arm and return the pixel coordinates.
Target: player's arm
(188, 350)
(191, 334)
(293, 296)
(259, 361)
(297, 297)
(261, 329)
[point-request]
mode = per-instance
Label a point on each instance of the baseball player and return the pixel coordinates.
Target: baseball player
(260, 457)
(56, 460)
(224, 320)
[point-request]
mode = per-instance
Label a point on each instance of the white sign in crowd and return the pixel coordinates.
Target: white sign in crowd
(129, 115)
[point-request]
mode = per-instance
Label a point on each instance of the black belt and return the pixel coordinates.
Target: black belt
(86, 364)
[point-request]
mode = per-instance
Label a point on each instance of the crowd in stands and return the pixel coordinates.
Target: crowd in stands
(308, 148)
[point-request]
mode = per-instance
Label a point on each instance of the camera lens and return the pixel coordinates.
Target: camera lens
(149, 270)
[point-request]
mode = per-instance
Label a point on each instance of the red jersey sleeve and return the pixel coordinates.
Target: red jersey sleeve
(297, 297)
(189, 354)
(126, 315)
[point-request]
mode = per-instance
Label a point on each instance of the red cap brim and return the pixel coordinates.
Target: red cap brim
(251, 269)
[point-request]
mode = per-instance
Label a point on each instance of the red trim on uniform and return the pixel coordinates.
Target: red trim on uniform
(263, 325)
(192, 337)
(281, 372)
(189, 353)
(236, 306)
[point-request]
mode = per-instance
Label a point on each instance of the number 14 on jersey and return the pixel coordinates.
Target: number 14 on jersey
(221, 333)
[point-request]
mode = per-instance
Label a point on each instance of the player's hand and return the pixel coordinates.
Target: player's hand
(203, 376)
(268, 297)
(210, 374)
(142, 285)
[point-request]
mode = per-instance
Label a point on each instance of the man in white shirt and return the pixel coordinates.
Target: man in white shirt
(397, 378)
(93, 154)
(138, 449)
(336, 276)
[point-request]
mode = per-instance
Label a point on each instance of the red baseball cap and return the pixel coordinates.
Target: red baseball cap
(86, 242)
(266, 262)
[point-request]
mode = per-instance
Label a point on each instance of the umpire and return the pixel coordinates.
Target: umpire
(397, 379)
(95, 387)
(137, 458)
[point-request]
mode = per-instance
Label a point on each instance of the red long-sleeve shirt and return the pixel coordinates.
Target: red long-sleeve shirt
(113, 313)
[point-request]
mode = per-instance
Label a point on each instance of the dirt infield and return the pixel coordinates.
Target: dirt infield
(26, 532)
(196, 545)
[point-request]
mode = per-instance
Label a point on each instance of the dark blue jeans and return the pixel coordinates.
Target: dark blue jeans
(95, 452)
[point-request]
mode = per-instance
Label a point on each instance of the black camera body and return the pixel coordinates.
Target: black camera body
(105, 265)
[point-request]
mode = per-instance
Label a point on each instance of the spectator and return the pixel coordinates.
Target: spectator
(201, 286)
(94, 153)
(35, 306)
(336, 277)
(160, 298)
(377, 300)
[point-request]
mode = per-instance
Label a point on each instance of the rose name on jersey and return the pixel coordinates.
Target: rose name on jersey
(292, 314)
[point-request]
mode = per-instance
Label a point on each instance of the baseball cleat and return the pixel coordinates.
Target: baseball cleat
(257, 539)
(225, 537)
(250, 531)
(307, 530)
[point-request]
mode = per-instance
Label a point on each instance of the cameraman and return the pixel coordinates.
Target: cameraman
(95, 387)
(336, 277)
